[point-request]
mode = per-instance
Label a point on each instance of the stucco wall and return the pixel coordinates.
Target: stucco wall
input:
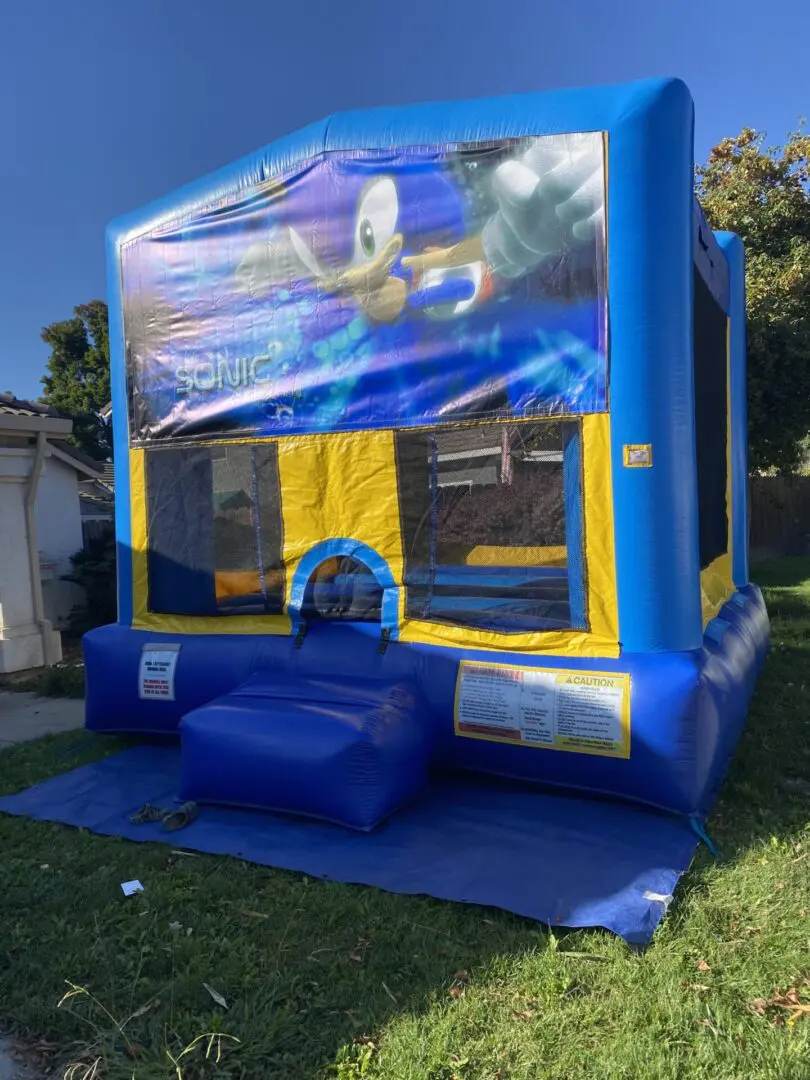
(59, 521)
(20, 637)
(16, 604)
(59, 535)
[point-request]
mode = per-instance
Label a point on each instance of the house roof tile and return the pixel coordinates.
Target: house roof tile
(10, 404)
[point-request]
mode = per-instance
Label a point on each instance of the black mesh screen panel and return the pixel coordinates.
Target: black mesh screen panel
(214, 530)
(180, 532)
(487, 514)
(711, 420)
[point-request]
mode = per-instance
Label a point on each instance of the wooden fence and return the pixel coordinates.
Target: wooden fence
(779, 516)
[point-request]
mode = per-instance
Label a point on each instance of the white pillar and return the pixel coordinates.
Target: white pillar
(21, 636)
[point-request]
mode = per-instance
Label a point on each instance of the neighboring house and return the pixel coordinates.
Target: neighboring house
(40, 528)
(495, 486)
(97, 504)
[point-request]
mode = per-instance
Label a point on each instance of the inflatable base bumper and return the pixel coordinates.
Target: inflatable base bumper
(685, 714)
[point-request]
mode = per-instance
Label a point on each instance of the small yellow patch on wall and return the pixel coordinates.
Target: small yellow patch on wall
(637, 455)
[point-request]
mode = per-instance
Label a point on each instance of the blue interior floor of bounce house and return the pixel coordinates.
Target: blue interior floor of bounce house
(341, 730)
(510, 598)
(503, 598)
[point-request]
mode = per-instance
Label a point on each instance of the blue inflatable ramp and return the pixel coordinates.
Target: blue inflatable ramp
(561, 859)
(349, 753)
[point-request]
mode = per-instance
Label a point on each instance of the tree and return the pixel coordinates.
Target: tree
(77, 382)
(763, 194)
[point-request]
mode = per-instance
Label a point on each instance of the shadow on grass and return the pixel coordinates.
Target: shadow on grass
(782, 573)
(63, 680)
(767, 788)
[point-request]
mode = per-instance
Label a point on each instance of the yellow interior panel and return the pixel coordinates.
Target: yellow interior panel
(488, 555)
(340, 486)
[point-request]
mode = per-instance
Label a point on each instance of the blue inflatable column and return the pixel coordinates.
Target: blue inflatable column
(650, 193)
(734, 252)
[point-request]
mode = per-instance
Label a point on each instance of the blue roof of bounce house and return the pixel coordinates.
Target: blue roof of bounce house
(611, 109)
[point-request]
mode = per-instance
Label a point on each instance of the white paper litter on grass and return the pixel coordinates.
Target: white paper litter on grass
(215, 994)
(130, 887)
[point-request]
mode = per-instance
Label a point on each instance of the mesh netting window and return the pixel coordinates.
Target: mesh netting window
(492, 525)
(345, 589)
(711, 420)
(214, 530)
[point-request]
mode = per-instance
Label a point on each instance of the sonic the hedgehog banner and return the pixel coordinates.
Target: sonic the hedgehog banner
(377, 289)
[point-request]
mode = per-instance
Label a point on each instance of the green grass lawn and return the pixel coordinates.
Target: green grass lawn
(330, 980)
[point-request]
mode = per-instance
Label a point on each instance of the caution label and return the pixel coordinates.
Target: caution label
(156, 673)
(582, 711)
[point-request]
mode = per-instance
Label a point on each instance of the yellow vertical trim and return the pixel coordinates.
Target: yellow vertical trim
(600, 546)
(140, 573)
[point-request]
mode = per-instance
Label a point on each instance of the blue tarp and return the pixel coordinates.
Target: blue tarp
(562, 859)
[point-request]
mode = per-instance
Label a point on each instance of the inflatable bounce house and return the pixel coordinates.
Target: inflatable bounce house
(430, 430)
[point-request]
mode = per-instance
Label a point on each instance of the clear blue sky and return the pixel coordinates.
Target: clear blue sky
(107, 104)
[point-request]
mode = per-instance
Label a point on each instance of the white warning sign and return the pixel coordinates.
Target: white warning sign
(584, 711)
(156, 673)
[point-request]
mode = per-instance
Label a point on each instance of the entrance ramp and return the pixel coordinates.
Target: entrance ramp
(345, 752)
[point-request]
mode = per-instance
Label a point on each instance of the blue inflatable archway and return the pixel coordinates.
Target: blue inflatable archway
(345, 548)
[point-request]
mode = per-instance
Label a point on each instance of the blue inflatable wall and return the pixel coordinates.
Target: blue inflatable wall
(430, 451)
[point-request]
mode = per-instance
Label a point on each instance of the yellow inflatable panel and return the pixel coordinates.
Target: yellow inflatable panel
(340, 486)
(344, 486)
(717, 580)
